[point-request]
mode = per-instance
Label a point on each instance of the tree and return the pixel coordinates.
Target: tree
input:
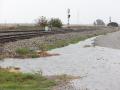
(99, 22)
(55, 22)
(113, 24)
(42, 21)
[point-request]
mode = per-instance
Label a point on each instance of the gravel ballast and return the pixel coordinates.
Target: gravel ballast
(34, 43)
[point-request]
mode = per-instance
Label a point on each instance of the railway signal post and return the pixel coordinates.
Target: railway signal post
(68, 16)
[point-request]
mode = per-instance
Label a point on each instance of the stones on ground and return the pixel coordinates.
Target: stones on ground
(35, 43)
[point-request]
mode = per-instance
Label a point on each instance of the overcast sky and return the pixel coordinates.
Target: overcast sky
(82, 11)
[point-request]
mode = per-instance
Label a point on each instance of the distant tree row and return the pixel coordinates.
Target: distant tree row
(53, 22)
(99, 22)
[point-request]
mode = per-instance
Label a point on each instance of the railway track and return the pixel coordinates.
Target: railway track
(11, 36)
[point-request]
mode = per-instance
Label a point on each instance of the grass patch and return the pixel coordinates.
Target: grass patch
(23, 51)
(26, 52)
(62, 43)
(19, 81)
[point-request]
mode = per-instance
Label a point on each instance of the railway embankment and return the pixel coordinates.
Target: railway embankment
(52, 41)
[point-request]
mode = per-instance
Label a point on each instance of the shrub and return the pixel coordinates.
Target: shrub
(25, 52)
(42, 22)
(43, 47)
(113, 24)
(22, 51)
(33, 55)
(55, 22)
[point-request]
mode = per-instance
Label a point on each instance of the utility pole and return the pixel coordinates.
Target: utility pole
(68, 16)
(110, 19)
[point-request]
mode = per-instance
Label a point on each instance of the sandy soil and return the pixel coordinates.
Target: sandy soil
(98, 67)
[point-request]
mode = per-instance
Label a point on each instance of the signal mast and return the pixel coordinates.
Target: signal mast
(68, 16)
